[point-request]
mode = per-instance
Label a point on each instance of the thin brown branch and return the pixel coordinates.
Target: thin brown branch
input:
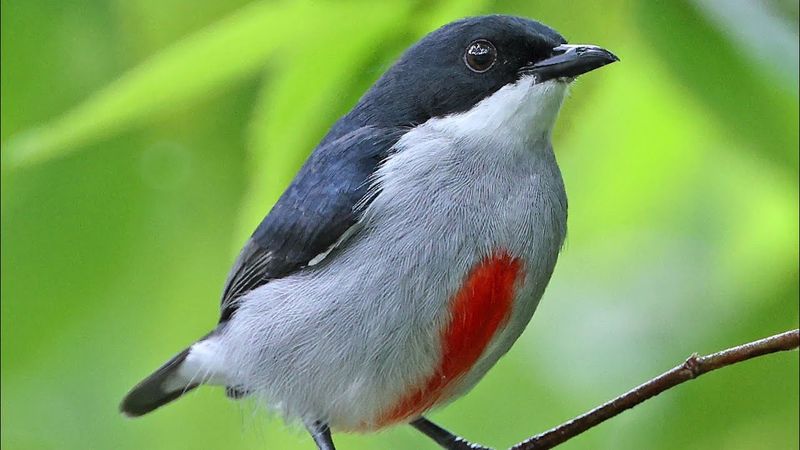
(690, 369)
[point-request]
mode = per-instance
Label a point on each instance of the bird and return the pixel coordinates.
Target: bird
(410, 250)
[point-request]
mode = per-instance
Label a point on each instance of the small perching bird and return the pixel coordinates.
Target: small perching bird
(410, 251)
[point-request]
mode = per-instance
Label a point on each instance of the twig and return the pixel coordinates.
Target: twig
(692, 368)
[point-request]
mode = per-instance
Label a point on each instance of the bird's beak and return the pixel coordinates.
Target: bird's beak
(569, 61)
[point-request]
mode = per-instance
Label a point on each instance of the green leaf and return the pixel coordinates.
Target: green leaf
(441, 13)
(756, 104)
(193, 68)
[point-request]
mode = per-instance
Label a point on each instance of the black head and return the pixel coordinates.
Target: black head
(458, 65)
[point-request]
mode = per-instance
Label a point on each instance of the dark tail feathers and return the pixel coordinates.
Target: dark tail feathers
(160, 388)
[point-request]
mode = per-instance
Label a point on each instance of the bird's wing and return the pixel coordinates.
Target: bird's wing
(313, 215)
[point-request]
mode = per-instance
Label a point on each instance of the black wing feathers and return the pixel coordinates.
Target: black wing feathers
(313, 213)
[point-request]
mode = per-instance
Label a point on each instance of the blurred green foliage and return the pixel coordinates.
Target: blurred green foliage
(143, 141)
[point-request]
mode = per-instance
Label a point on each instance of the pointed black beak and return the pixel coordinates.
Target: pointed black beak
(569, 61)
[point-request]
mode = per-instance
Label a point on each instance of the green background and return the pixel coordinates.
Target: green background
(143, 140)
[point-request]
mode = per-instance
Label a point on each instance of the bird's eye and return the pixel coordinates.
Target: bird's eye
(480, 56)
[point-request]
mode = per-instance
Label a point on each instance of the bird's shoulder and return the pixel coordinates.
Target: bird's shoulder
(314, 213)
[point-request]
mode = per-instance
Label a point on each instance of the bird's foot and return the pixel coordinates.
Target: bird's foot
(462, 444)
(444, 438)
(321, 434)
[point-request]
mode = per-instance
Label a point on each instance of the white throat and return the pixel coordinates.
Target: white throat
(522, 111)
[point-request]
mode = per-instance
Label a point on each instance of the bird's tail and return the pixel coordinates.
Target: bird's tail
(196, 365)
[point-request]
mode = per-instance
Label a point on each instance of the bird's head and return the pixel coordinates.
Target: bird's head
(499, 67)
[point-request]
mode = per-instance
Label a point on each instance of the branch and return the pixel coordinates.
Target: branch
(692, 368)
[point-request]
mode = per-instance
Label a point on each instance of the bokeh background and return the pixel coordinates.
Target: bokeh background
(142, 141)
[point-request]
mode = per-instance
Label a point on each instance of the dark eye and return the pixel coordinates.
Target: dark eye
(480, 56)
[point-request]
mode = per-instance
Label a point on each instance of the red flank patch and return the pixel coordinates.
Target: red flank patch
(478, 310)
